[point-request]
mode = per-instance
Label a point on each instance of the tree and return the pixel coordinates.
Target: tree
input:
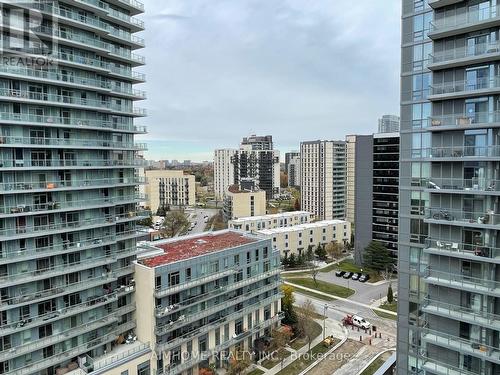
(296, 205)
(305, 321)
(279, 339)
(390, 295)
(309, 254)
(239, 361)
(320, 252)
(287, 305)
(283, 180)
(314, 270)
(292, 262)
(377, 257)
(334, 250)
(174, 222)
(147, 221)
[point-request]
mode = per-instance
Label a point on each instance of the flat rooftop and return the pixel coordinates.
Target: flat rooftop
(298, 228)
(282, 215)
(175, 250)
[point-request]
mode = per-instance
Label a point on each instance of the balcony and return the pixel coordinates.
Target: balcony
(457, 153)
(40, 274)
(165, 346)
(475, 219)
(460, 313)
(68, 164)
(61, 185)
(35, 297)
(477, 120)
(471, 347)
(50, 317)
(461, 281)
(440, 368)
(484, 52)
(483, 186)
(464, 89)
(191, 317)
(68, 122)
(472, 20)
(475, 252)
(162, 311)
(118, 355)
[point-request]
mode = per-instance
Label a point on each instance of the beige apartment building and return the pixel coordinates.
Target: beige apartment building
(223, 171)
(271, 221)
(169, 188)
(202, 295)
(296, 239)
(350, 141)
(243, 203)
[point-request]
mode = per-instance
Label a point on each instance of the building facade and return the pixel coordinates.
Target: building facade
(68, 185)
(293, 171)
(167, 188)
(204, 295)
(323, 178)
(223, 171)
(243, 203)
(388, 124)
(449, 278)
(289, 156)
(296, 239)
(271, 221)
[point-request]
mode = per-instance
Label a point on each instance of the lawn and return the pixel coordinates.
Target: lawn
(270, 363)
(297, 366)
(300, 342)
(256, 371)
(374, 366)
(349, 266)
(314, 315)
(323, 286)
(389, 307)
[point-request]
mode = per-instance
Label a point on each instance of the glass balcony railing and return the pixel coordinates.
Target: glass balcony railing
(9, 163)
(12, 187)
(447, 216)
(458, 184)
(471, 17)
(474, 316)
(469, 346)
(441, 368)
(461, 281)
(458, 87)
(35, 297)
(173, 342)
(126, 18)
(458, 152)
(31, 321)
(465, 119)
(465, 52)
(457, 248)
(75, 142)
(109, 359)
(162, 311)
(191, 317)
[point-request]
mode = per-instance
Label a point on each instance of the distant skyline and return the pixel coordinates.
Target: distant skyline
(220, 70)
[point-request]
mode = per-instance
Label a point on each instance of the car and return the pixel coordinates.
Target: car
(360, 322)
(339, 273)
(355, 276)
(347, 275)
(364, 278)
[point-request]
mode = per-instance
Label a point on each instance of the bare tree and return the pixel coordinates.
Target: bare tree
(334, 250)
(314, 270)
(305, 321)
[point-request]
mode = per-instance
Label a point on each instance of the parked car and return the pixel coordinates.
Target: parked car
(355, 276)
(364, 278)
(347, 275)
(339, 273)
(360, 322)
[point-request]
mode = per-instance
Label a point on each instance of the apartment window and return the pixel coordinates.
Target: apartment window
(143, 369)
(45, 331)
(256, 255)
(124, 372)
(266, 251)
(237, 259)
(158, 282)
(174, 278)
(188, 274)
(249, 257)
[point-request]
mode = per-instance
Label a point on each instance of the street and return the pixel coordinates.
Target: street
(197, 216)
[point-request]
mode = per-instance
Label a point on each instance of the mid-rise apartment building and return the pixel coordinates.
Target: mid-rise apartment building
(169, 188)
(449, 274)
(297, 239)
(201, 296)
(323, 178)
(239, 202)
(289, 156)
(68, 184)
(293, 171)
(388, 124)
(223, 171)
(271, 221)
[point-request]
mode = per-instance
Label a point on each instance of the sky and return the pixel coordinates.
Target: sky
(219, 70)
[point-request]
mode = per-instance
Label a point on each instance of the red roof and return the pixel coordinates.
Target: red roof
(196, 246)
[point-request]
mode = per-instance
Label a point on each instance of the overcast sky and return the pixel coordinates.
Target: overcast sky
(219, 70)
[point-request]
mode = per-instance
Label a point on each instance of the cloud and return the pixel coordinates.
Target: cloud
(220, 69)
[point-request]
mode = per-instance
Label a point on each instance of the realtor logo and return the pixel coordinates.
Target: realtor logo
(28, 33)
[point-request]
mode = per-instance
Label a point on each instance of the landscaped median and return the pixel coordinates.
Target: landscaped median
(320, 286)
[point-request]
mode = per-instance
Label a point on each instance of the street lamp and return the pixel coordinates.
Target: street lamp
(324, 318)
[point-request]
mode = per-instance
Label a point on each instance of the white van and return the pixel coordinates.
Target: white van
(360, 322)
